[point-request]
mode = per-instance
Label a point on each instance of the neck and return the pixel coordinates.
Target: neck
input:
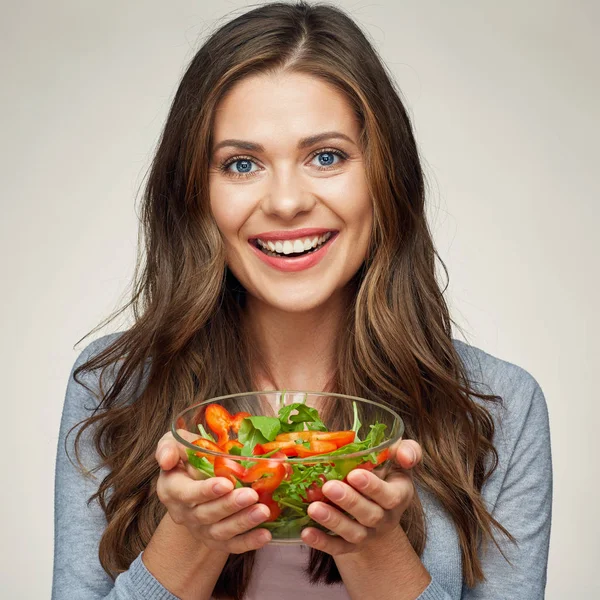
(297, 351)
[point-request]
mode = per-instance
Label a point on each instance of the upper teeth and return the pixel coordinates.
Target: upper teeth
(299, 245)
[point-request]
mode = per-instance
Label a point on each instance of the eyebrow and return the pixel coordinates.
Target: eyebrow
(303, 143)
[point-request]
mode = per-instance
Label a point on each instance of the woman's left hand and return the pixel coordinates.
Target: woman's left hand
(377, 505)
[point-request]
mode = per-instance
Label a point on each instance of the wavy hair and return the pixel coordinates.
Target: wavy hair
(396, 345)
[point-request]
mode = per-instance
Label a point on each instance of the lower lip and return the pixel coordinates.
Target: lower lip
(298, 263)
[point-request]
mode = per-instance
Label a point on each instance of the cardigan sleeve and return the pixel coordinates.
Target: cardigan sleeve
(518, 495)
(523, 506)
(78, 527)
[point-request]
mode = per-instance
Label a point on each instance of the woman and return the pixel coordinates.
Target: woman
(286, 127)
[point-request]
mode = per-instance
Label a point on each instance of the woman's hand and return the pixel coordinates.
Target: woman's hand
(215, 514)
(375, 503)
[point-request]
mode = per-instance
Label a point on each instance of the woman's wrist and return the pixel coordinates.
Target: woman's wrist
(181, 563)
(388, 569)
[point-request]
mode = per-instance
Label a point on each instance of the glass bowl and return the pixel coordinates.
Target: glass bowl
(285, 444)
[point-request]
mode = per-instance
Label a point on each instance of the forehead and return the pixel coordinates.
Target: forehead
(279, 109)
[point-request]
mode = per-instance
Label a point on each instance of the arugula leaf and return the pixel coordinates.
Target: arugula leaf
(205, 433)
(250, 436)
(257, 430)
(376, 435)
(305, 415)
(268, 426)
(235, 450)
(357, 424)
(201, 463)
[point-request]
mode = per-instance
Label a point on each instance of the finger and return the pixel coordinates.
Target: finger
(366, 512)
(241, 522)
(330, 544)
(175, 486)
(329, 516)
(226, 506)
(397, 490)
(169, 451)
(408, 454)
(252, 540)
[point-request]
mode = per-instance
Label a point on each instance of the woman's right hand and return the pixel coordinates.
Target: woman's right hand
(216, 515)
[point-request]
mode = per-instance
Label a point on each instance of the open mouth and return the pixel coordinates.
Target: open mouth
(293, 248)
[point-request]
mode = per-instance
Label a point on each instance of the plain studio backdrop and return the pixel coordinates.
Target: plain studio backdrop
(504, 98)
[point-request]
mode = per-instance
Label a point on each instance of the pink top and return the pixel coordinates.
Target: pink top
(279, 573)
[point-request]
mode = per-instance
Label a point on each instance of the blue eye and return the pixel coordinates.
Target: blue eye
(327, 157)
(244, 163)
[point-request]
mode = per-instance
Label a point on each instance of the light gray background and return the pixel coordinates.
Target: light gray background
(504, 98)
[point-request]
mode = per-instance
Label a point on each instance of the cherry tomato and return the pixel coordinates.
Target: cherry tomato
(314, 491)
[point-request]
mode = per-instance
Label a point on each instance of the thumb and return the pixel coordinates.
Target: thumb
(169, 452)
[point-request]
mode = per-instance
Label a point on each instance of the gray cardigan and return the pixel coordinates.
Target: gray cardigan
(519, 494)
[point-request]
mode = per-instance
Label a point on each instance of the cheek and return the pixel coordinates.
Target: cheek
(230, 209)
(354, 206)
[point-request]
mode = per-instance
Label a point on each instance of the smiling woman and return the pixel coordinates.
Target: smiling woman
(304, 190)
(287, 247)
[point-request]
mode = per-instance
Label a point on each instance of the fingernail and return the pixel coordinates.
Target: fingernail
(359, 479)
(309, 537)
(413, 455)
(244, 498)
(264, 537)
(318, 512)
(259, 514)
(221, 488)
(163, 454)
(335, 491)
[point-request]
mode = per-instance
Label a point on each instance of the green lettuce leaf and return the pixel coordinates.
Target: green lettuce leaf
(357, 424)
(205, 433)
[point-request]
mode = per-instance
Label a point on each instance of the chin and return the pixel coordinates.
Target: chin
(297, 302)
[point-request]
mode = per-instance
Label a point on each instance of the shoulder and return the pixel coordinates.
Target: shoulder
(83, 389)
(522, 410)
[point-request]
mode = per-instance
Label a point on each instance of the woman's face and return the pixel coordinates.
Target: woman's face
(294, 212)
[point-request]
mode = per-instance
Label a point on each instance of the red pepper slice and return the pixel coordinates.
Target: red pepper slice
(273, 506)
(274, 471)
(204, 443)
(229, 468)
(369, 466)
(231, 444)
(339, 438)
(236, 420)
(316, 447)
(219, 420)
(289, 448)
(286, 465)
(258, 449)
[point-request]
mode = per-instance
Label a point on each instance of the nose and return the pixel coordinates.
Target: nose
(286, 197)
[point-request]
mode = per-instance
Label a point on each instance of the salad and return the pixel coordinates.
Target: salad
(286, 487)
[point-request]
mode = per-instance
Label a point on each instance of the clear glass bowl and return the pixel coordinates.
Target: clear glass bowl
(287, 483)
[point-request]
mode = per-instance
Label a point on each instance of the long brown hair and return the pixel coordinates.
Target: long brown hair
(396, 345)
